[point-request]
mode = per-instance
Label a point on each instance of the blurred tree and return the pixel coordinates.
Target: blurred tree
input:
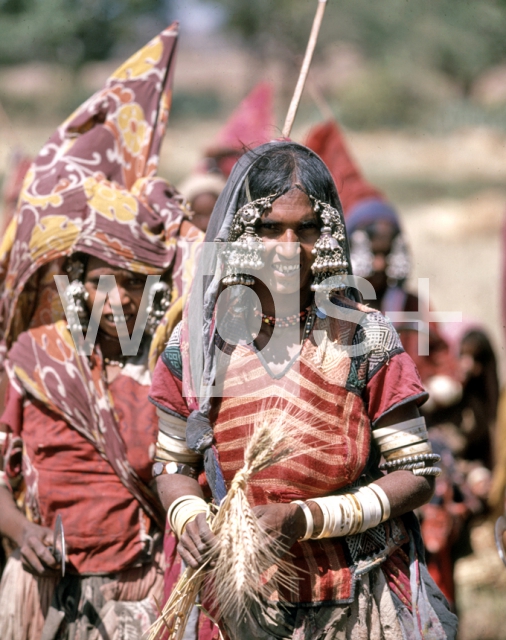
(70, 31)
(458, 38)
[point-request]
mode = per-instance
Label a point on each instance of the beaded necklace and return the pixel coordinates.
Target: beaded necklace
(116, 363)
(287, 321)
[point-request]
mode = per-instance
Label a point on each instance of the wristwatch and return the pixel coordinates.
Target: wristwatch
(174, 467)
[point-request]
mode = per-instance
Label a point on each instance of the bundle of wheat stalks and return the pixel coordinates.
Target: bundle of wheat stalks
(243, 551)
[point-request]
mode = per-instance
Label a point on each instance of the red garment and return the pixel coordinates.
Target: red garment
(249, 126)
(391, 385)
(328, 142)
(440, 361)
(64, 473)
(333, 399)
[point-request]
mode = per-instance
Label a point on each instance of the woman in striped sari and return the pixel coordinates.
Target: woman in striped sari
(279, 331)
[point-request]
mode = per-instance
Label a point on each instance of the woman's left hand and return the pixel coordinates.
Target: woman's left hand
(284, 522)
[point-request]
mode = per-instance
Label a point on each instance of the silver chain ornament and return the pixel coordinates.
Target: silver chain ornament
(329, 249)
(246, 251)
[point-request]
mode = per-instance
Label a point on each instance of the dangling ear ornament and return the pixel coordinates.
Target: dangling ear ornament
(247, 249)
(330, 265)
(78, 316)
(159, 302)
(398, 262)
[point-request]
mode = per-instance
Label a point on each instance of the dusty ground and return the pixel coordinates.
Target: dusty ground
(481, 578)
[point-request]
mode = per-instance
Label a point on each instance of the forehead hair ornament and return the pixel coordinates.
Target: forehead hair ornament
(330, 264)
(246, 250)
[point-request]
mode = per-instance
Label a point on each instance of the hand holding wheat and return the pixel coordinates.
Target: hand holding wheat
(242, 551)
(197, 543)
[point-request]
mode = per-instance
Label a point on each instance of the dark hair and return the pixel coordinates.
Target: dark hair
(76, 265)
(486, 385)
(285, 166)
(479, 343)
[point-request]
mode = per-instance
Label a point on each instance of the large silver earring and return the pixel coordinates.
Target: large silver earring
(247, 250)
(329, 250)
(361, 254)
(78, 316)
(398, 262)
(159, 302)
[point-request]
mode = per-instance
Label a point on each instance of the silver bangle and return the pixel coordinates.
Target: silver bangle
(427, 471)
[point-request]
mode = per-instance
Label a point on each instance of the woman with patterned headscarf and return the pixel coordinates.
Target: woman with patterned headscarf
(79, 432)
(273, 333)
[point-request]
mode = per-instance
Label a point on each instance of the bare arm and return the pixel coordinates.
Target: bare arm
(171, 487)
(405, 491)
(197, 539)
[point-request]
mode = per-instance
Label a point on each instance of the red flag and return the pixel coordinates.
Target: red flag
(327, 141)
(249, 126)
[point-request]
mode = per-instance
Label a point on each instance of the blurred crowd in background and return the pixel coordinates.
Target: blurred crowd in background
(414, 100)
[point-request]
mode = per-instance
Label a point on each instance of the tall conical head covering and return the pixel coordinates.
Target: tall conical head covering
(249, 126)
(251, 123)
(327, 140)
(124, 123)
(92, 188)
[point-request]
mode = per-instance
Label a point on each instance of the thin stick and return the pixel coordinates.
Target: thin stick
(294, 105)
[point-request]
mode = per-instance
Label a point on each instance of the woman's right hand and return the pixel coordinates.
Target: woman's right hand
(35, 554)
(197, 542)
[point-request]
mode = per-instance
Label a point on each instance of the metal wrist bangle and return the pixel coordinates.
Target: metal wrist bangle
(174, 467)
(309, 519)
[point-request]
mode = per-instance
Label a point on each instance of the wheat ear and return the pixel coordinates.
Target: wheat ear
(244, 551)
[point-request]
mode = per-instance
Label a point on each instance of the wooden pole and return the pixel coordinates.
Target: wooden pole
(294, 105)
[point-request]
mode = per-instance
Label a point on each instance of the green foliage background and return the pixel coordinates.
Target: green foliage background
(460, 38)
(421, 57)
(70, 32)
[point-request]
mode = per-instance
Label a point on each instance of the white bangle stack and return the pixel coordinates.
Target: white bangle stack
(371, 508)
(309, 520)
(383, 498)
(183, 510)
(342, 515)
(403, 439)
(348, 514)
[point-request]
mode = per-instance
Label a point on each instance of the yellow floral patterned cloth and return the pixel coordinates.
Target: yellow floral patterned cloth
(92, 188)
